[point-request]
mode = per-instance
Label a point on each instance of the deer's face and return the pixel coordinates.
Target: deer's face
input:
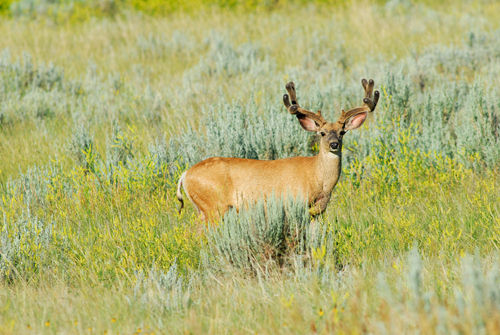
(331, 137)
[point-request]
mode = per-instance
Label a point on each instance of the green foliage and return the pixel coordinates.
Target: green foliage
(459, 118)
(166, 291)
(72, 11)
(64, 10)
(263, 235)
(5, 6)
(85, 233)
(80, 10)
(82, 147)
(24, 245)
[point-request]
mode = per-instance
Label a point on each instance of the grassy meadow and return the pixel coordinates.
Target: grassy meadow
(103, 106)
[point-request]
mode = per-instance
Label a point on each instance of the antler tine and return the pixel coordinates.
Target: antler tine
(295, 109)
(369, 102)
(290, 88)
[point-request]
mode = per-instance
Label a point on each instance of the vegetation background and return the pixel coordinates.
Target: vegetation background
(103, 104)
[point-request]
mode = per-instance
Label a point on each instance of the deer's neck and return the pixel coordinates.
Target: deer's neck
(328, 170)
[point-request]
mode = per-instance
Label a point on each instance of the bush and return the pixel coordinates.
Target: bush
(265, 234)
(24, 247)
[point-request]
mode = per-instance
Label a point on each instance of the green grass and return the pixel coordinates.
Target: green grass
(91, 150)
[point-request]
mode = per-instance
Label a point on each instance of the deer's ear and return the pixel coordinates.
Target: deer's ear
(355, 121)
(308, 123)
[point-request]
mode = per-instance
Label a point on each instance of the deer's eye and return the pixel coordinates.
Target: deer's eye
(322, 133)
(342, 133)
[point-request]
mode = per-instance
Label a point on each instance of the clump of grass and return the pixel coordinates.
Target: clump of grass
(83, 149)
(24, 247)
(266, 234)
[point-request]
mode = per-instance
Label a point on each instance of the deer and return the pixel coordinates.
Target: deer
(217, 184)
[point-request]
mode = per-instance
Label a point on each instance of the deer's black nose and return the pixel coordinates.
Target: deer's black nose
(334, 145)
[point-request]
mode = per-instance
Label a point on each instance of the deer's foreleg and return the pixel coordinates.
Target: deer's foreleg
(319, 205)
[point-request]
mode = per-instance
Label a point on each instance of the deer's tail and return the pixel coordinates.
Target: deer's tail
(179, 191)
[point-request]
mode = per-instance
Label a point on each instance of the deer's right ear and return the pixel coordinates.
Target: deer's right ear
(308, 123)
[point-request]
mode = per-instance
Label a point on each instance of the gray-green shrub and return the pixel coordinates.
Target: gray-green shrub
(265, 234)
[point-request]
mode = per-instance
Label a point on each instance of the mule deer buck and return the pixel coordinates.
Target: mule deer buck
(217, 184)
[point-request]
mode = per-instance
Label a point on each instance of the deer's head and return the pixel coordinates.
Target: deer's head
(332, 132)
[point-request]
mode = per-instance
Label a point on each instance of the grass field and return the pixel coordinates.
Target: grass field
(102, 109)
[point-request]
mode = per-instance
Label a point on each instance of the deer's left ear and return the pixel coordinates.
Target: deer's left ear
(355, 121)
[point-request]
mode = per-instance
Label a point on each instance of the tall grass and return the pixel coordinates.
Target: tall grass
(99, 119)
